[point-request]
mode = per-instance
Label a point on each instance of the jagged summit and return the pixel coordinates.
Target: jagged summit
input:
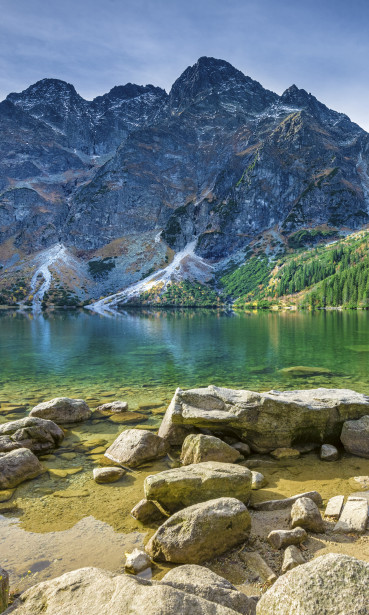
(46, 91)
(213, 77)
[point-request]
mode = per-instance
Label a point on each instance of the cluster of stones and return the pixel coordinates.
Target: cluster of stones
(202, 506)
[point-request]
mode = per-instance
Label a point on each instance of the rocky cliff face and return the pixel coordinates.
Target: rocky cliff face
(220, 159)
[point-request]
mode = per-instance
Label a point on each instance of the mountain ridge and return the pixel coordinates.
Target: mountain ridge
(219, 160)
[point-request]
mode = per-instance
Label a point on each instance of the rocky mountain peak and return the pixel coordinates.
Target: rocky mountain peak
(209, 77)
(299, 97)
(46, 92)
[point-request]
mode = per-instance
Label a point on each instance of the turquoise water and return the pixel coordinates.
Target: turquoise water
(56, 523)
(145, 355)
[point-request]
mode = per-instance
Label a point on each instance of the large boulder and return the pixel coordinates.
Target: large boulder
(39, 435)
(17, 466)
(198, 447)
(355, 436)
(332, 584)
(62, 410)
(181, 487)
(91, 590)
(202, 582)
(136, 446)
(267, 421)
(201, 532)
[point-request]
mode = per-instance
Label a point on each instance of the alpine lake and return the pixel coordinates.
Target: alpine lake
(63, 520)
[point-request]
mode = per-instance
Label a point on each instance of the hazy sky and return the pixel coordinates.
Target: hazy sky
(320, 45)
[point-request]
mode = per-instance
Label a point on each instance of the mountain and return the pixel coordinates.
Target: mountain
(131, 178)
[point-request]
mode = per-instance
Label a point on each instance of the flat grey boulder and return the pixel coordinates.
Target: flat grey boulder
(17, 466)
(331, 584)
(202, 582)
(136, 446)
(305, 514)
(201, 532)
(39, 435)
(107, 475)
(334, 506)
(287, 502)
(355, 436)
(354, 516)
(181, 487)
(92, 590)
(62, 410)
(267, 421)
(198, 447)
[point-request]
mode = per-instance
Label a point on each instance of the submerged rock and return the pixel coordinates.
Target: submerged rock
(136, 446)
(62, 410)
(285, 453)
(92, 590)
(305, 514)
(181, 487)
(198, 447)
(355, 436)
(39, 435)
(323, 585)
(201, 532)
(266, 420)
(359, 482)
(202, 582)
(17, 466)
(113, 407)
(107, 474)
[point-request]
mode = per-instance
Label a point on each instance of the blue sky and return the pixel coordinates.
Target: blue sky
(322, 46)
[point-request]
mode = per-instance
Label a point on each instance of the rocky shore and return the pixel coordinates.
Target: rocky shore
(209, 511)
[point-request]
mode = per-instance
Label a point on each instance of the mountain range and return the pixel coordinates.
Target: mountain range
(130, 179)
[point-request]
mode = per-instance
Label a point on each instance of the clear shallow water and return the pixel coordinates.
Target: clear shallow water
(53, 524)
(67, 353)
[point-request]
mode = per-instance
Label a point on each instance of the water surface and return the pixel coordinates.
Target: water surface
(54, 523)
